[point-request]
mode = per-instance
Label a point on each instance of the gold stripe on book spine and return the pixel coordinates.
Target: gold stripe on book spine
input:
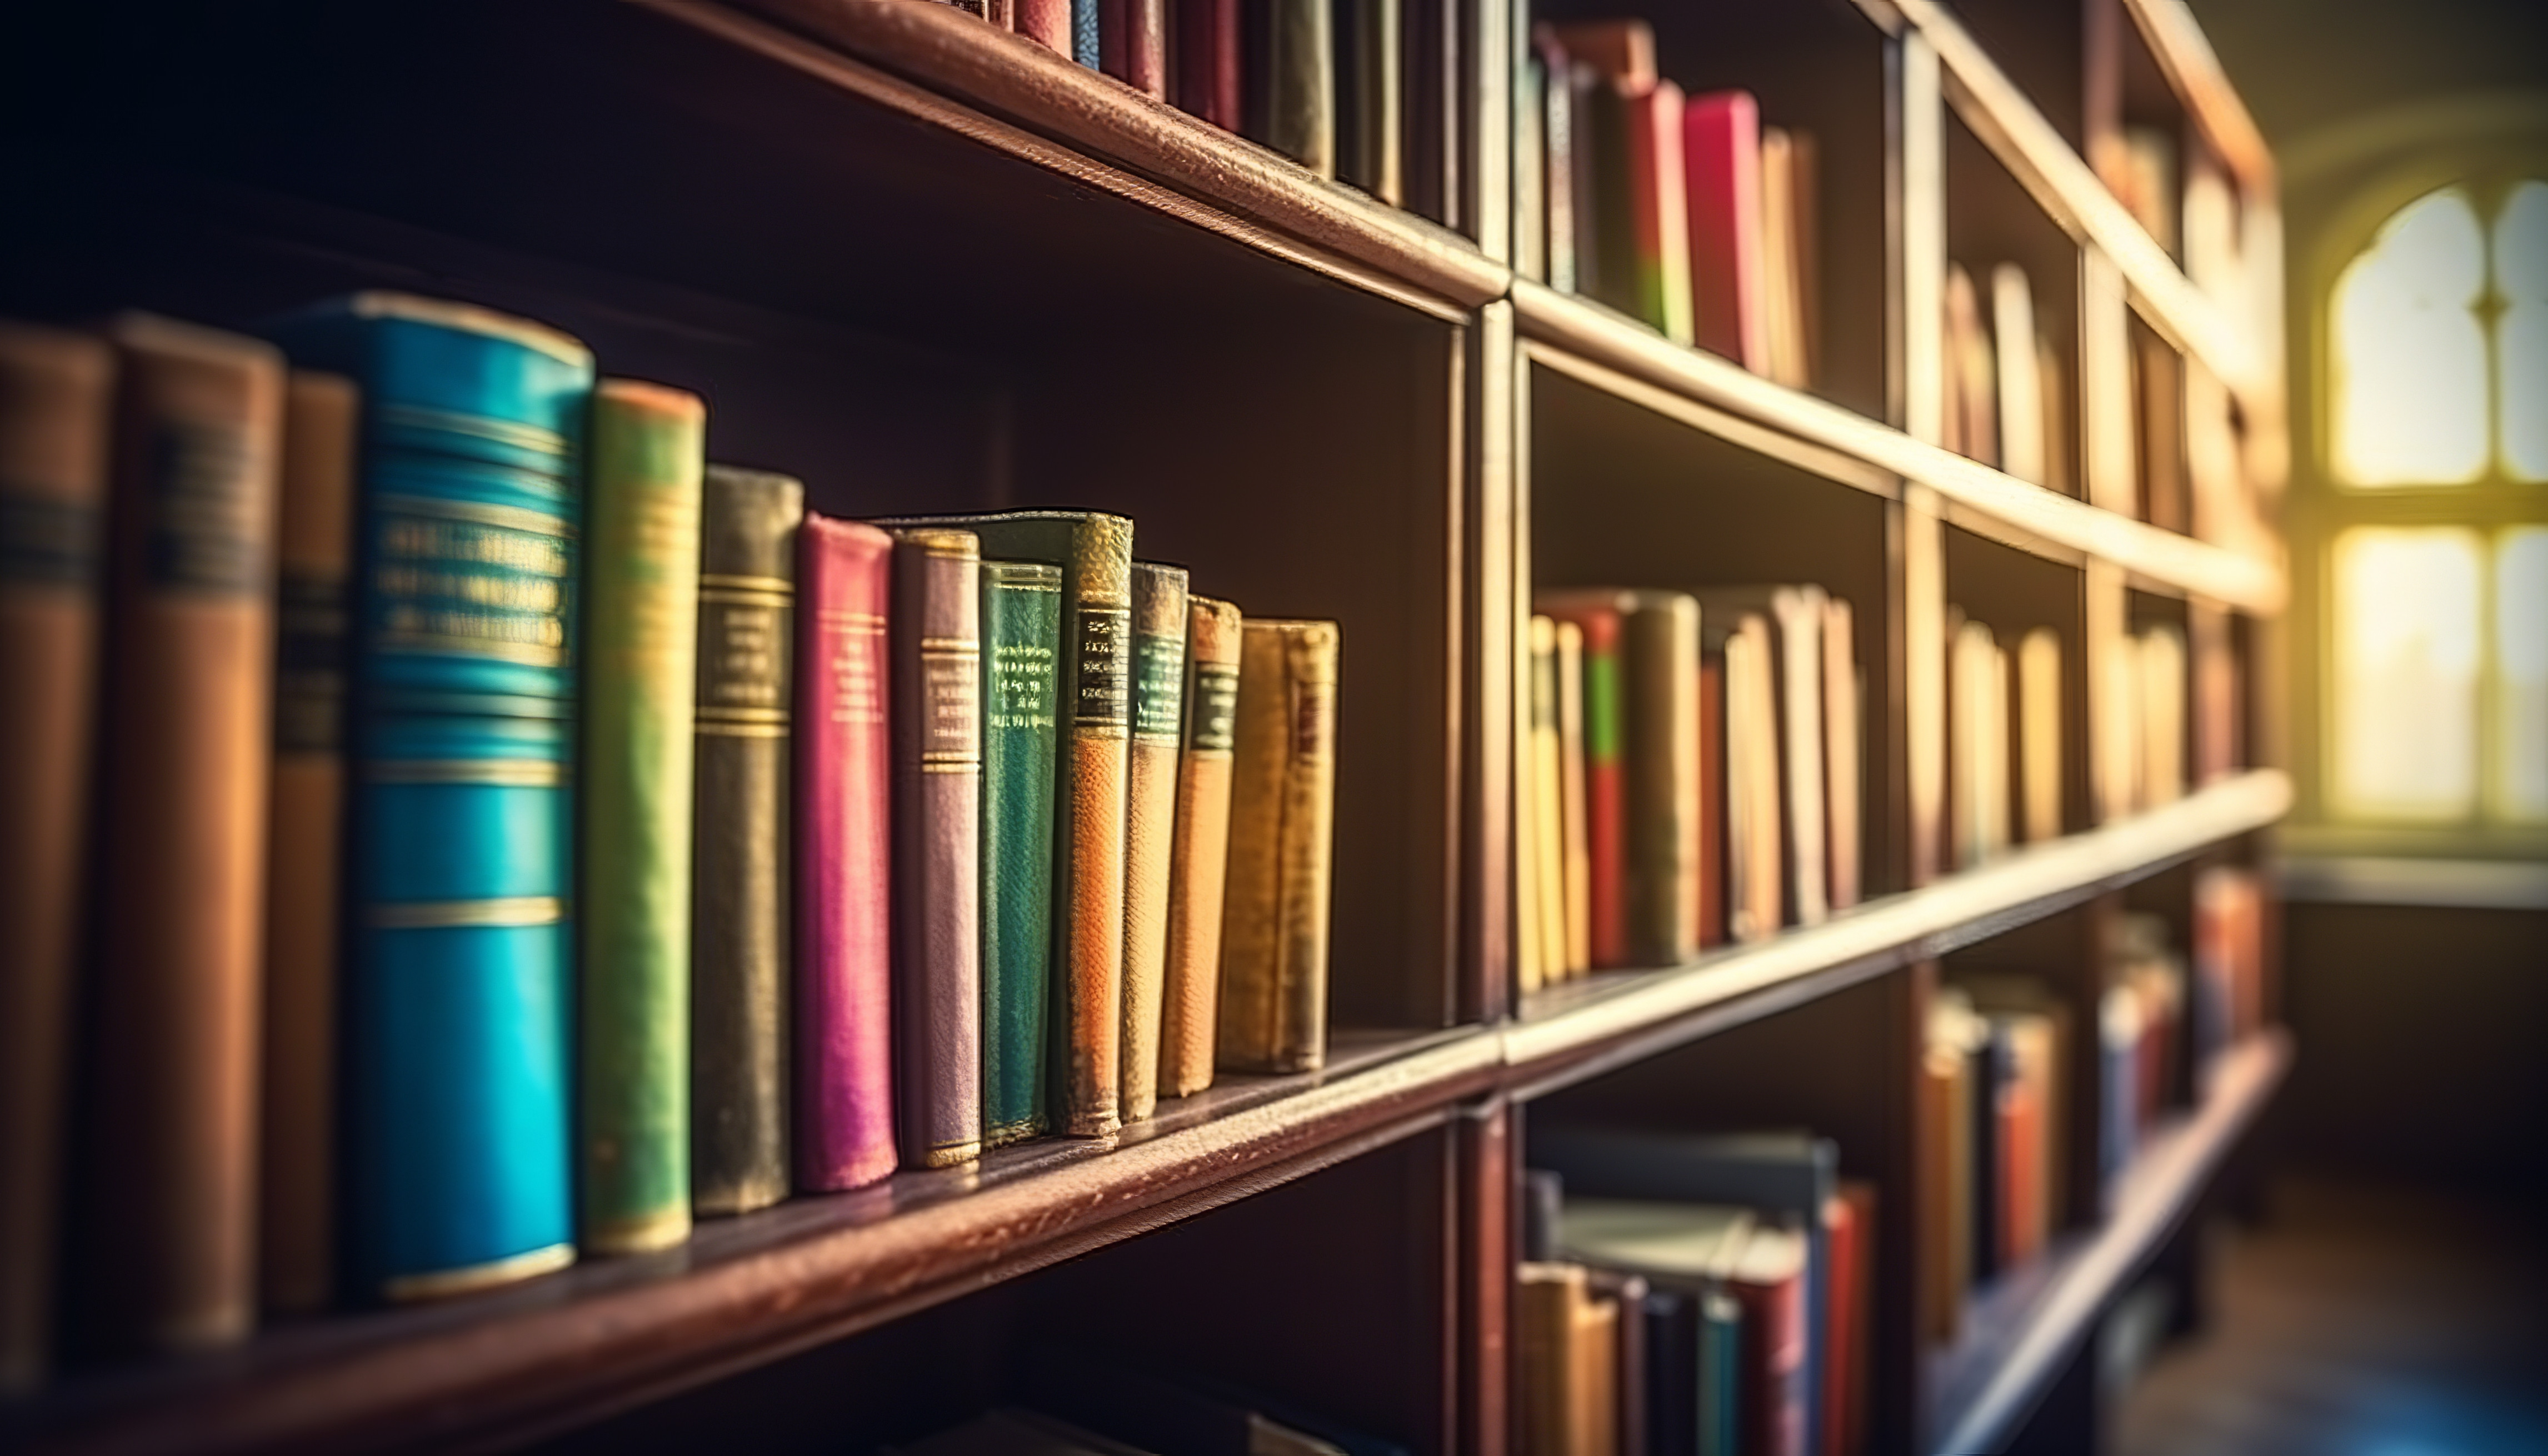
(728, 581)
(744, 730)
(720, 713)
(745, 596)
(443, 1283)
(497, 772)
(519, 911)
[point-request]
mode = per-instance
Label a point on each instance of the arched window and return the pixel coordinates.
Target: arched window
(2437, 657)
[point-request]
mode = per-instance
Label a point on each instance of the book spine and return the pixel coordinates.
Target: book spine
(739, 905)
(1561, 158)
(1722, 157)
(1573, 823)
(1293, 108)
(57, 393)
(1660, 209)
(936, 638)
(1047, 23)
(1150, 813)
(1022, 640)
(843, 1008)
(1200, 857)
(297, 1136)
(1133, 39)
(640, 690)
(167, 1227)
(1844, 734)
(1606, 786)
(1089, 807)
(1662, 655)
(456, 1031)
(1274, 920)
(1207, 63)
(1371, 150)
(1087, 29)
(1714, 840)
(1548, 807)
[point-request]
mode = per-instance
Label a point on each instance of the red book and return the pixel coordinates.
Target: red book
(844, 947)
(1606, 818)
(1046, 21)
(1133, 44)
(1849, 1223)
(1721, 148)
(2021, 1155)
(1769, 1280)
(1711, 798)
(1208, 69)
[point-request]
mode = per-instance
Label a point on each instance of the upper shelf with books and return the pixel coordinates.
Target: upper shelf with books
(1598, 346)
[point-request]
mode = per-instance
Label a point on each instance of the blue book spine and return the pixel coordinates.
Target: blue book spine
(1083, 34)
(458, 1022)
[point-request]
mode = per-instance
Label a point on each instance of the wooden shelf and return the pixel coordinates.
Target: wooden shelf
(1561, 324)
(2019, 1333)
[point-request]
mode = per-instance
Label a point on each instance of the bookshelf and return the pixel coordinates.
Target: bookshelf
(931, 267)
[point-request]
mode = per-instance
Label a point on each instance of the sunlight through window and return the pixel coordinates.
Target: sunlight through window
(2411, 350)
(2406, 657)
(2521, 673)
(2521, 335)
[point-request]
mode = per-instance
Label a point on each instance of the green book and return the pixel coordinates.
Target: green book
(640, 631)
(1021, 650)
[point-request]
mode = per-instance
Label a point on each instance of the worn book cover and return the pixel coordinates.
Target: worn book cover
(641, 621)
(56, 399)
(1282, 834)
(1150, 812)
(936, 638)
(1199, 859)
(1021, 668)
(740, 923)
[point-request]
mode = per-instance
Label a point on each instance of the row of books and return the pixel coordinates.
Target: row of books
(1705, 1294)
(1691, 773)
(416, 868)
(2004, 400)
(1351, 89)
(1682, 211)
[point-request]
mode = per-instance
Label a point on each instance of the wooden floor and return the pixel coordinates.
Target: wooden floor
(2361, 1320)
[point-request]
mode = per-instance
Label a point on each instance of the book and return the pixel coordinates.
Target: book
(844, 1123)
(1282, 831)
(1095, 554)
(1755, 886)
(2038, 735)
(1632, 1377)
(1945, 1178)
(2020, 406)
(1547, 806)
(741, 916)
(1133, 44)
(1659, 651)
(164, 1222)
(1684, 1251)
(1559, 160)
(1792, 618)
(1849, 1296)
(1198, 859)
(934, 638)
(1021, 686)
(457, 1032)
(1660, 206)
(2158, 398)
(1716, 807)
(1088, 33)
(1569, 1337)
(1790, 260)
(641, 614)
(296, 1088)
(1844, 751)
(1612, 78)
(1208, 61)
(1530, 946)
(1530, 165)
(1160, 623)
(1291, 89)
(1371, 97)
(1772, 1280)
(1047, 23)
(1977, 771)
(56, 402)
(1728, 271)
(1973, 389)
(1572, 826)
(1601, 619)
(1598, 168)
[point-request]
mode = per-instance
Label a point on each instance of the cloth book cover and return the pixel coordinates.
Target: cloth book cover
(56, 400)
(1282, 844)
(1089, 799)
(641, 629)
(297, 1131)
(458, 993)
(844, 1012)
(740, 923)
(1199, 861)
(1020, 665)
(936, 640)
(1150, 833)
(164, 1230)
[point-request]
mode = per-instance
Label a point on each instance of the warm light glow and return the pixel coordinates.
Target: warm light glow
(2410, 351)
(2521, 673)
(2522, 334)
(2408, 620)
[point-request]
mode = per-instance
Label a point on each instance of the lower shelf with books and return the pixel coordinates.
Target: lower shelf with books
(2017, 1334)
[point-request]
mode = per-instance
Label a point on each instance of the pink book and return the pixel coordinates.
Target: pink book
(1721, 147)
(1046, 21)
(844, 1018)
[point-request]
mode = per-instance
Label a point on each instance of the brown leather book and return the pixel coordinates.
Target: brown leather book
(165, 1225)
(314, 558)
(56, 391)
(1282, 832)
(1200, 856)
(1149, 820)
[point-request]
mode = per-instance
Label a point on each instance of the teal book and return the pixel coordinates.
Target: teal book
(458, 1003)
(1021, 650)
(640, 571)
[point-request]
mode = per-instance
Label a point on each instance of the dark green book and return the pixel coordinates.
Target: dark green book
(1020, 653)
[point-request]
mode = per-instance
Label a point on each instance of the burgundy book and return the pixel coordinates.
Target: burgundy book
(937, 642)
(844, 1011)
(1132, 42)
(1208, 65)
